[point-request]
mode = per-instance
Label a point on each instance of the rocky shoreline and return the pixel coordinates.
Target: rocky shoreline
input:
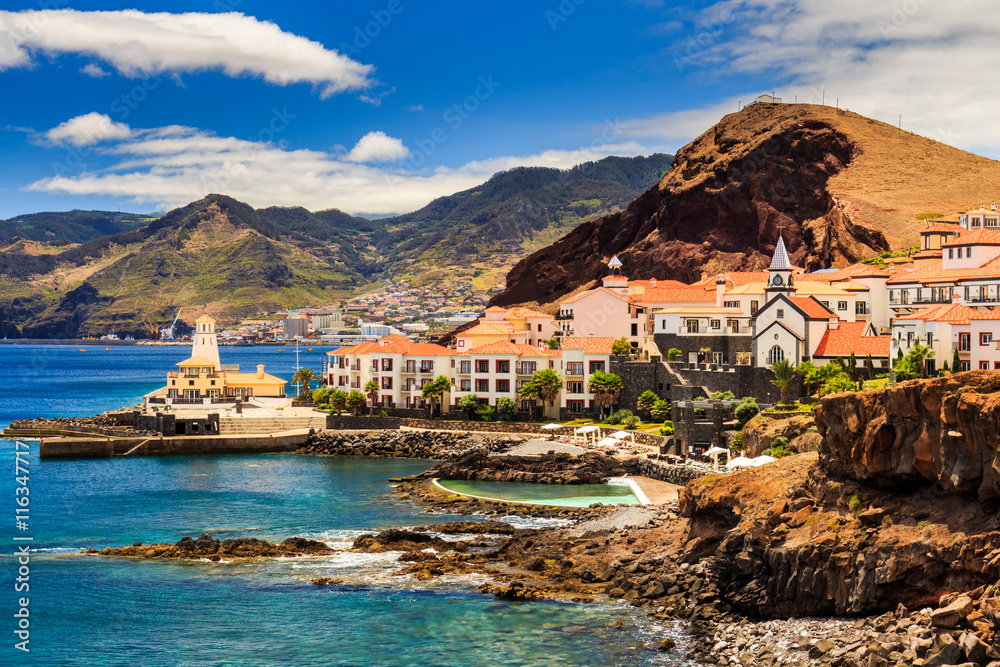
(207, 548)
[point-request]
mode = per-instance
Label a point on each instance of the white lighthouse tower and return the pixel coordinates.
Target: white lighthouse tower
(206, 343)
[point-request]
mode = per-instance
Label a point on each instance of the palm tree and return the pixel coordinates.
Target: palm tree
(606, 387)
(371, 391)
(305, 376)
(919, 354)
(355, 401)
(784, 373)
(529, 391)
(338, 400)
(806, 369)
(839, 384)
(435, 390)
(549, 384)
(646, 401)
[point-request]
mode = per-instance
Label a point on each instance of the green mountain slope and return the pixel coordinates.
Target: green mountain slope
(70, 226)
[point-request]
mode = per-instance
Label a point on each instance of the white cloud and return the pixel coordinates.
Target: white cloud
(95, 71)
(171, 166)
(137, 44)
(86, 130)
(378, 147)
(929, 62)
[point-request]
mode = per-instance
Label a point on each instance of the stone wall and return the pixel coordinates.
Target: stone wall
(640, 376)
(668, 472)
(352, 423)
(405, 444)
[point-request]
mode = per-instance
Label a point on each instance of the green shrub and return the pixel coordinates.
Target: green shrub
(746, 410)
(856, 506)
(631, 422)
(485, 411)
(667, 428)
(660, 411)
(723, 396)
(507, 409)
(921, 525)
(673, 353)
(737, 443)
(468, 405)
(618, 417)
(779, 447)
(324, 407)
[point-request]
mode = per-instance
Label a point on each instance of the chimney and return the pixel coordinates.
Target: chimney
(720, 291)
(704, 275)
(652, 282)
(260, 371)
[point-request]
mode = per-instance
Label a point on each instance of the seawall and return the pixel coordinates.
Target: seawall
(79, 448)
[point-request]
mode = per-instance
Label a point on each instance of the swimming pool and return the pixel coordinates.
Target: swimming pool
(561, 495)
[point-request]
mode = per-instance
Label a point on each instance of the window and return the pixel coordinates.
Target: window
(966, 293)
(860, 308)
(733, 325)
(968, 251)
(732, 304)
(663, 324)
(574, 387)
(951, 253)
(841, 305)
(964, 342)
(374, 364)
(984, 365)
(482, 366)
(781, 313)
(975, 222)
(503, 386)
(461, 342)
(190, 383)
(410, 384)
(930, 338)
(465, 385)
(753, 307)
(190, 393)
(483, 386)
(575, 406)
(387, 364)
(985, 338)
(426, 366)
(503, 366)
(776, 354)
(411, 366)
(635, 329)
(465, 367)
(596, 366)
(539, 328)
(692, 326)
(528, 367)
(966, 366)
(387, 383)
(212, 383)
(716, 324)
(574, 368)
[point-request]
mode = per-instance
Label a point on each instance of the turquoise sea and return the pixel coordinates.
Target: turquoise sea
(87, 610)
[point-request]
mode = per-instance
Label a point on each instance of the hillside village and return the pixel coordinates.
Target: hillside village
(718, 334)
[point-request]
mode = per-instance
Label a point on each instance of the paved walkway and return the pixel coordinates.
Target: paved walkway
(658, 492)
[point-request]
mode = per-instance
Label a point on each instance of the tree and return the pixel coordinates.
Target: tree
(507, 408)
(468, 405)
(870, 367)
(660, 411)
(621, 347)
(784, 373)
(606, 387)
(920, 354)
(805, 369)
(956, 361)
(305, 376)
(673, 353)
(338, 400)
(746, 410)
(548, 384)
(485, 411)
(646, 401)
(372, 390)
(434, 391)
(355, 401)
(554, 343)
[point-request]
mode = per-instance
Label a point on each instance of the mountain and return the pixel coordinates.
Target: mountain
(238, 261)
(71, 226)
(215, 252)
(489, 227)
(840, 186)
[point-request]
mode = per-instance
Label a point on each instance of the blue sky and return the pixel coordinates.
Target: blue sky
(153, 108)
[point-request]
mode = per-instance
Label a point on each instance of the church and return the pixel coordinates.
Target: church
(202, 377)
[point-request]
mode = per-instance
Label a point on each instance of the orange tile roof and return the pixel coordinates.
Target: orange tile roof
(953, 313)
(592, 344)
(849, 337)
(496, 309)
(505, 347)
(416, 349)
(673, 294)
(659, 283)
(943, 228)
(520, 312)
(935, 274)
(196, 362)
(574, 299)
(812, 308)
(488, 329)
(978, 237)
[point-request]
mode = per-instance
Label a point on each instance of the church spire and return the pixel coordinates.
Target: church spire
(780, 260)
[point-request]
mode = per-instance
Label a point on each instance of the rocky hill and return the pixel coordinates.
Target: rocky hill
(70, 226)
(843, 188)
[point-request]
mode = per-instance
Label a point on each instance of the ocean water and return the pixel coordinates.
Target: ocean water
(87, 610)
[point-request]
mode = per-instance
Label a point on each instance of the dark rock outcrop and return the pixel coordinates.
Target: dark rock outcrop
(205, 547)
(557, 468)
(942, 431)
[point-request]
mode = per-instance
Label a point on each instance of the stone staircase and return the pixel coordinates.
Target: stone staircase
(253, 424)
